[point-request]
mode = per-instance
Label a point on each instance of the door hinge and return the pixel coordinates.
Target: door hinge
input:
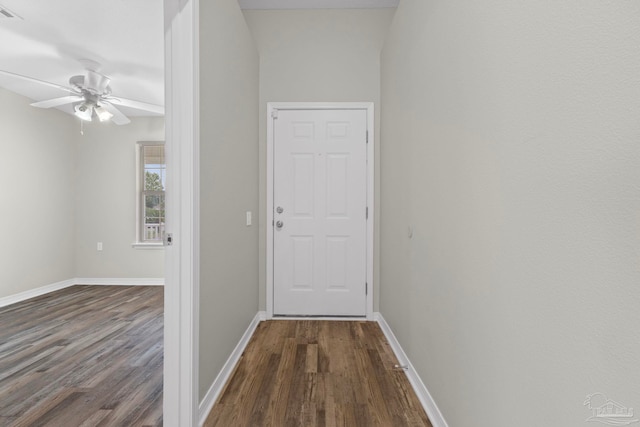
(366, 213)
(366, 288)
(274, 114)
(367, 137)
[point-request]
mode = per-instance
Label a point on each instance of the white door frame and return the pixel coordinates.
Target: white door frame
(272, 107)
(181, 305)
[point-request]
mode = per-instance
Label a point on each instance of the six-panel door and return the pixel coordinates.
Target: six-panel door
(320, 198)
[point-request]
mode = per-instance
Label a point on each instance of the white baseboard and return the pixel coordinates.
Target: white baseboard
(117, 281)
(435, 416)
(22, 296)
(223, 376)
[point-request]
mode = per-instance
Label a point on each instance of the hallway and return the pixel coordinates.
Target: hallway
(318, 373)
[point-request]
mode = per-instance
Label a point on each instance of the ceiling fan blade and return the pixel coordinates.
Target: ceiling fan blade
(57, 101)
(138, 105)
(42, 82)
(118, 118)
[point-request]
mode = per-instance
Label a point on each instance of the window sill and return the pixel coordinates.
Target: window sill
(152, 246)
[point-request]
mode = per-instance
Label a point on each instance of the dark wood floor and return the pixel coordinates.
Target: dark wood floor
(317, 373)
(83, 356)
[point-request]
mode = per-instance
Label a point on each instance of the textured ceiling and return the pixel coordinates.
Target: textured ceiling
(53, 38)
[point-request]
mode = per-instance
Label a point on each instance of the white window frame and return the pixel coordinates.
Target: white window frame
(139, 242)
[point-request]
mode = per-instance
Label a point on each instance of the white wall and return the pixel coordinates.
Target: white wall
(315, 56)
(510, 142)
(228, 183)
(37, 205)
(106, 200)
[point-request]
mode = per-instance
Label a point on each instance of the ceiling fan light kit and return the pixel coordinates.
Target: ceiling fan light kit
(83, 111)
(103, 115)
(91, 96)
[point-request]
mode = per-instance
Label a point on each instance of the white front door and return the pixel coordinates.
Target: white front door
(319, 202)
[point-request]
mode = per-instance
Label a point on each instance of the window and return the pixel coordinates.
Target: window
(151, 209)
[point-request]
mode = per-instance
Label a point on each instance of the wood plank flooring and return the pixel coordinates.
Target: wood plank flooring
(317, 373)
(83, 356)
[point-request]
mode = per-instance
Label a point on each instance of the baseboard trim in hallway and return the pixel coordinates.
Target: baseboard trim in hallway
(225, 373)
(429, 405)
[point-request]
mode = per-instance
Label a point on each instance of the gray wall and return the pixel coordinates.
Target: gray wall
(106, 200)
(37, 204)
(64, 192)
(228, 183)
(316, 56)
(510, 142)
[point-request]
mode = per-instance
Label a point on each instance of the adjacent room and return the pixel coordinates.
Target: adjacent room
(81, 283)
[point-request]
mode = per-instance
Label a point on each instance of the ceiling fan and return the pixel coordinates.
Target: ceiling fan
(91, 97)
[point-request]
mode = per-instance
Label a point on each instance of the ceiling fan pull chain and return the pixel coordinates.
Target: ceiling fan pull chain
(82, 127)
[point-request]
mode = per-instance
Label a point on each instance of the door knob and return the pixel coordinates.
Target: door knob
(279, 224)
(279, 209)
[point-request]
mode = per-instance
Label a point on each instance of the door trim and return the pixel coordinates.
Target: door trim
(272, 107)
(182, 263)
